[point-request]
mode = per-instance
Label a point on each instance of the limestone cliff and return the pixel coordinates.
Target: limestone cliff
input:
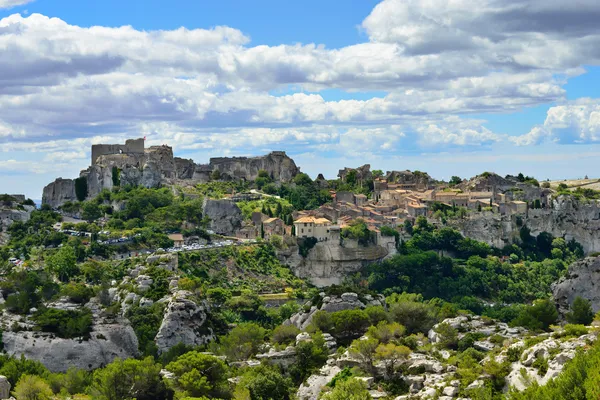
(568, 218)
(583, 280)
(59, 192)
(225, 216)
(277, 164)
(111, 337)
(328, 263)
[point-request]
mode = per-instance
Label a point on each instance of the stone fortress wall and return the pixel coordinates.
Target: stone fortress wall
(131, 146)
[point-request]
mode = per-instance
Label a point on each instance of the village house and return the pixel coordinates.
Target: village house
(273, 226)
(177, 239)
(517, 207)
(312, 227)
(248, 231)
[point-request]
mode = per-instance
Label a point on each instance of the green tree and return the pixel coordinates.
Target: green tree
(364, 350)
(198, 375)
(243, 341)
(263, 383)
(310, 356)
(351, 389)
(128, 380)
(91, 211)
(540, 315)
(455, 180)
(391, 355)
(63, 263)
(447, 336)
(581, 312)
(81, 188)
(32, 387)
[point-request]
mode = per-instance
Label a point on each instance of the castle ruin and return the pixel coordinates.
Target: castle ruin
(131, 146)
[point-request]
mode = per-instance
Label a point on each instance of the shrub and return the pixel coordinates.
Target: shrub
(65, 323)
(77, 292)
(415, 316)
(447, 336)
(581, 312)
(243, 341)
(32, 387)
(285, 334)
(513, 354)
(572, 330)
(376, 314)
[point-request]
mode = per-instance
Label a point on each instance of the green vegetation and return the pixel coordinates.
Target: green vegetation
(65, 324)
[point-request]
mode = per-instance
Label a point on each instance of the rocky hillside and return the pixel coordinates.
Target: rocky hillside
(329, 262)
(581, 280)
(569, 218)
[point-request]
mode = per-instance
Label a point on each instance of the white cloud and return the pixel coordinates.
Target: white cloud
(212, 90)
(573, 122)
(13, 3)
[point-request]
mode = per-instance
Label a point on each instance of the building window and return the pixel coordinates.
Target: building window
(302, 230)
(305, 224)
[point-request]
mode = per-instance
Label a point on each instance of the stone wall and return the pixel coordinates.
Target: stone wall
(131, 146)
(277, 164)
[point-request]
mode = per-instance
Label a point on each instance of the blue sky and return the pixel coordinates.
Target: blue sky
(451, 88)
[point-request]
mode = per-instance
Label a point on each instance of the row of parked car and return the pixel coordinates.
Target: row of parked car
(213, 245)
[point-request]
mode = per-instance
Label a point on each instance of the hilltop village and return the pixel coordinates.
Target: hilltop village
(376, 198)
(150, 276)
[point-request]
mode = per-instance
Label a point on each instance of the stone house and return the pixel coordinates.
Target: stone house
(517, 207)
(312, 227)
(274, 226)
(177, 239)
(248, 231)
(416, 210)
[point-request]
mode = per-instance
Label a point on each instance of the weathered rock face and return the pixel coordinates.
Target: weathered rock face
(417, 178)
(107, 342)
(347, 301)
(277, 164)
(328, 263)
(363, 173)
(183, 322)
(184, 169)
(59, 192)
(568, 218)
(225, 216)
(4, 388)
(581, 280)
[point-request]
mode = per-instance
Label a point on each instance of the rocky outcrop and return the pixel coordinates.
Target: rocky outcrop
(4, 388)
(408, 177)
(568, 218)
(347, 301)
(155, 166)
(363, 173)
(555, 352)
(184, 169)
(108, 340)
(581, 280)
(278, 165)
(329, 262)
(183, 322)
(59, 192)
(225, 216)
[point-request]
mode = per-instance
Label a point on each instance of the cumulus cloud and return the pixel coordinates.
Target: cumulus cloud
(212, 89)
(574, 122)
